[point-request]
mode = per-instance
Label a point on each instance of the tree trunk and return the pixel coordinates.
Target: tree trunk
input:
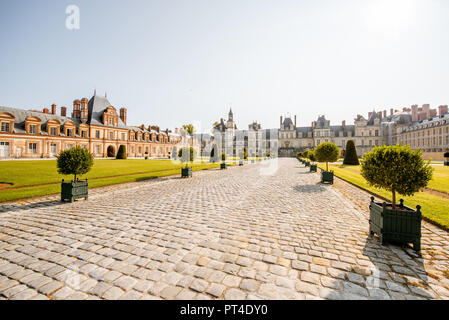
(393, 200)
(75, 177)
(327, 166)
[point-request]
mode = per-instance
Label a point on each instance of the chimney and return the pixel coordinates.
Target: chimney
(380, 114)
(142, 126)
(149, 128)
(385, 113)
(369, 114)
(442, 110)
(426, 109)
(281, 121)
(84, 109)
(76, 113)
(391, 111)
(53, 109)
(46, 110)
(63, 112)
(123, 115)
(343, 124)
(295, 120)
(176, 130)
(432, 113)
(166, 131)
(414, 113)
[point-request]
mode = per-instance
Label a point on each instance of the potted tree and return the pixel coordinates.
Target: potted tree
(223, 164)
(312, 157)
(76, 161)
(186, 155)
(398, 169)
(327, 152)
(298, 156)
(351, 154)
(446, 156)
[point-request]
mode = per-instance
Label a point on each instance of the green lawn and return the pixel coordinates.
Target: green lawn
(37, 178)
(434, 208)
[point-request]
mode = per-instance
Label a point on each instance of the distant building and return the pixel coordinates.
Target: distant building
(420, 127)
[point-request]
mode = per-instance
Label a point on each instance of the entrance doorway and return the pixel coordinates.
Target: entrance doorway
(53, 149)
(111, 151)
(4, 149)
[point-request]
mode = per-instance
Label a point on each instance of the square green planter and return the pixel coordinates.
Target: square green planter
(327, 177)
(313, 168)
(223, 166)
(70, 191)
(307, 164)
(402, 225)
(186, 172)
(240, 163)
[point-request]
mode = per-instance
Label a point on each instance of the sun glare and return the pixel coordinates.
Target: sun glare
(391, 14)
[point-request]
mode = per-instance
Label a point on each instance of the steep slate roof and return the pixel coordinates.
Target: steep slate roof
(372, 117)
(96, 106)
(287, 122)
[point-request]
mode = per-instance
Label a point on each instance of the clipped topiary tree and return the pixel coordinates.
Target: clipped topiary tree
(351, 154)
(121, 153)
(305, 154)
(311, 156)
(397, 169)
(298, 154)
(186, 155)
(76, 161)
(327, 152)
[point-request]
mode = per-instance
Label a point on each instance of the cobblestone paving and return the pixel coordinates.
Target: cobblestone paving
(230, 234)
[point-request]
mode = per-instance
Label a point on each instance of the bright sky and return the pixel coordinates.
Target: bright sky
(173, 62)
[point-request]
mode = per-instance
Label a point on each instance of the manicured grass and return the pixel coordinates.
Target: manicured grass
(434, 208)
(38, 178)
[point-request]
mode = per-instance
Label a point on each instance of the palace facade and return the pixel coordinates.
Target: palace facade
(420, 127)
(226, 138)
(94, 124)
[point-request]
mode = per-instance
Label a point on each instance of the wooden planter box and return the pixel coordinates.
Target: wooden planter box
(240, 163)
(70, 191)
(313, 168)
(223, 166)
(186, 172)
(402, 225)
(327, 177)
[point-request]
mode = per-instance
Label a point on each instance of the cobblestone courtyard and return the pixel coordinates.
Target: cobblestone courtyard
(230, 234)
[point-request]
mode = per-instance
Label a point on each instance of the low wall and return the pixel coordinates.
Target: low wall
(433, 155)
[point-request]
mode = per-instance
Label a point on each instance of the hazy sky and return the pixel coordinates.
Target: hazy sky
(173, 62)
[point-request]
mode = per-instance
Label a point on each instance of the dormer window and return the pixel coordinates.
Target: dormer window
(69, 133)
(5, 127)
(32, 129)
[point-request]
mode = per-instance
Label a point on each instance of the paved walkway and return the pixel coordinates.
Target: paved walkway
(230, 234)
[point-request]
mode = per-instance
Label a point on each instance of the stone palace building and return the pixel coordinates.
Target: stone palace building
(94, 124)
(420, 127)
